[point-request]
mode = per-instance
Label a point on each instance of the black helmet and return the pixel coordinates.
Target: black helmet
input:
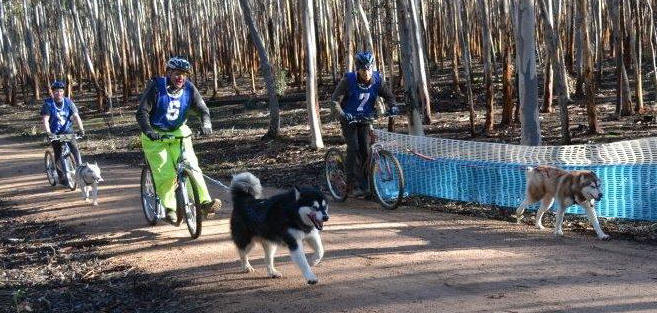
(364, 60)
(180, 64)
(57, 85)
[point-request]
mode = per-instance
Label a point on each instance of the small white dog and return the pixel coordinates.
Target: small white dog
(87, 176)
(547, 183)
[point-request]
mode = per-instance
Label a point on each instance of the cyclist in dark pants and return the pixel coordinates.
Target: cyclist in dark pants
(57, 114)
(353, 100)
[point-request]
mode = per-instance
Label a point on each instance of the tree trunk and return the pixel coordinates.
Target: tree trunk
(507, 74)
(599, 38)
(85, 49)
(554, 51)
(623, 100)
(527, 87)
(589, 80)
(235, 50)
(124, 55)
(406, 60)
(366, 26)
(349, 35)
(653, 43)
(579, 69)
(311, 79)
(487, 61)
(419, 63)
(461, 15)
(548, 69)
(31, 53)
(455, 50)
(8, 61)
(637, 56)
(387, 44)
(267, 73)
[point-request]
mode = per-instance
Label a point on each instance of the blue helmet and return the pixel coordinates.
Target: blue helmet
(364, 60)
(58, 85)
(180, 64)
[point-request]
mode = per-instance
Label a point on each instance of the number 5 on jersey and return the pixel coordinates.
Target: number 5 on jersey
(174, 110)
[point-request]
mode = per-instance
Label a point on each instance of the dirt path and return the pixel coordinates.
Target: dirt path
(409, 260)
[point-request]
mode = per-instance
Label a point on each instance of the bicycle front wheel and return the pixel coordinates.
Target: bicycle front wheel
(71, 165)
(149, 203)
(188, 202)
(335, 174)
(51, 172)
(387, 180)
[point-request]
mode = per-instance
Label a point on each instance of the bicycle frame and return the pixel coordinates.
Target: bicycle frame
(65, 140)
(373, 154)
(181, 167)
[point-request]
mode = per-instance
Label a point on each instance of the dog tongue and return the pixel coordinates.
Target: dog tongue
(318, 224)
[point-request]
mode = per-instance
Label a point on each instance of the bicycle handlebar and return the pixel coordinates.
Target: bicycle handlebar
(64, 137)
(167, 137)
(367, 119)
(361, 119)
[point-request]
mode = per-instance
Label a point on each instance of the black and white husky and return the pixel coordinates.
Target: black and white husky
(87, 176)
(288, 218)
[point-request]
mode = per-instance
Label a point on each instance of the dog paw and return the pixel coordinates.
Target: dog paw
(312, 279)
(275, 274)
(540, 226)
(247, 269)
(314, 261)
(558, 233)
(95, 203)
(86, 200)
(604, 237)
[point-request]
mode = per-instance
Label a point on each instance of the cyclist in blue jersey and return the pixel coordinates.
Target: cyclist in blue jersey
(58, 114)
(162, 116)
(354, 103)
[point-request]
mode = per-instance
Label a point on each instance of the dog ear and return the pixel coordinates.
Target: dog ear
(297, 193)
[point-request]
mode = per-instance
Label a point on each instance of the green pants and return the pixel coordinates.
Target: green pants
(162, 156)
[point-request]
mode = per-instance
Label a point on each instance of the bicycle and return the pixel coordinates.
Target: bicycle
(51, 166)
(187, 204)
(383, 171)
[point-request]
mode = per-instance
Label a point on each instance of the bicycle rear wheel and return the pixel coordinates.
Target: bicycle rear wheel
(387, 180)
(335, 174)
(149, 203)
(71, 165)
(51, 171)
(187, 196)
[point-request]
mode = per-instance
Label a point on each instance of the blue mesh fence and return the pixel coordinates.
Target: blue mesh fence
(630, 189)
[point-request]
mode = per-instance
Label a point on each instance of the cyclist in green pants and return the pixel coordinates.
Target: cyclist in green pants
(162, 115)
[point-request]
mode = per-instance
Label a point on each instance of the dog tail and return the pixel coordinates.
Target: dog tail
(246, 184)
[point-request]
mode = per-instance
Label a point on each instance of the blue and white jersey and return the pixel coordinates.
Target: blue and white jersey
(360, 100)
(60, 115)
(170, 112)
